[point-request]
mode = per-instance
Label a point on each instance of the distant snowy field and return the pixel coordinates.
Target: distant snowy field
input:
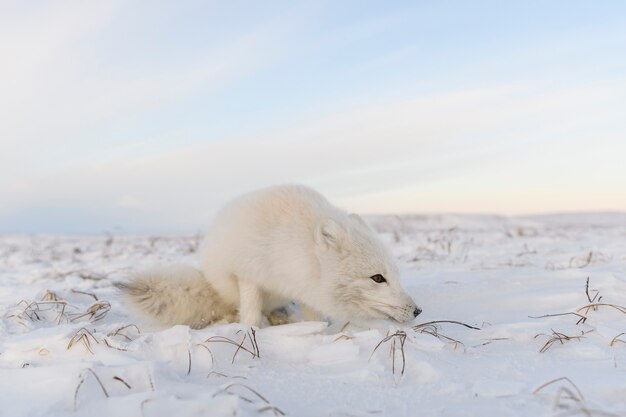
(67, 345)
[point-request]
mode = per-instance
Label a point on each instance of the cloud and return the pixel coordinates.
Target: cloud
(55, 98)
(88, 137)
(385, 157)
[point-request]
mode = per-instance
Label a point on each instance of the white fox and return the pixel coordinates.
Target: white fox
(269, 248)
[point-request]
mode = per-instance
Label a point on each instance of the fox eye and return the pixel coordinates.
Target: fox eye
(378, 278)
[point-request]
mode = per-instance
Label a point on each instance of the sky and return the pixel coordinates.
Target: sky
(147, 116)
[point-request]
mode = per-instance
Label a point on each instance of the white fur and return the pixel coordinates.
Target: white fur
(284, 244)
(176, 294)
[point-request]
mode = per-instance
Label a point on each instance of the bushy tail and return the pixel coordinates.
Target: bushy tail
(176, 294)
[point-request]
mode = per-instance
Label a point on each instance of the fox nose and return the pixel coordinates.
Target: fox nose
(417, 311)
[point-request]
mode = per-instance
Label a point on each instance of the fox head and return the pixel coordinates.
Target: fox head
(359, 273)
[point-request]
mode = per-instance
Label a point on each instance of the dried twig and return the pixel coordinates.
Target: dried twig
(83, 336)
(50, 296)
(432, 329)
(557, 337)
(268, 407)
(254, 342)
(253, 350)
(106, 342)
(621, 309)
(489, 341)
(581, 319)
(36, 310)
(594, 304)
(401, 337)
(617, 339)
(118, 332)
(224, 375)
(418, 326)
(563, 378)
(570, 400)
(94, 312)
(585, 260)
(216, 374)
(83, 377)
(564, 392)
(90, 294)
(189, 356)
(596, 295)
(210, 353)
(343, 337)
(117, 378)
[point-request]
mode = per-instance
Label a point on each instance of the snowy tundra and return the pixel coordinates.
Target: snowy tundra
(523, 316)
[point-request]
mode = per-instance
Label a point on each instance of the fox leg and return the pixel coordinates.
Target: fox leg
(250, 303)
(309, 313)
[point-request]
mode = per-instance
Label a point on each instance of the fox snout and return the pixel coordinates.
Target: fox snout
(408, 313)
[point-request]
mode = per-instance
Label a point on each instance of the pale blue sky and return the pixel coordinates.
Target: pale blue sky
(147, 116)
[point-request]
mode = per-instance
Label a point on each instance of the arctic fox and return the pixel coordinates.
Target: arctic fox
(269, 248)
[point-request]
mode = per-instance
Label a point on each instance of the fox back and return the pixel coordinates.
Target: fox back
(295, 245)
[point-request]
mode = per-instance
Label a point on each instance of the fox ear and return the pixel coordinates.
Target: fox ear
(330, 234)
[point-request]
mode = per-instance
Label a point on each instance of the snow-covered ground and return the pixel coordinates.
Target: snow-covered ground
(67, 345)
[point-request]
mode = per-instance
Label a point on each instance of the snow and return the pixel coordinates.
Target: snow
(67, 345)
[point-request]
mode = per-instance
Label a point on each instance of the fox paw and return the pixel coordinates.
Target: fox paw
(278, 316)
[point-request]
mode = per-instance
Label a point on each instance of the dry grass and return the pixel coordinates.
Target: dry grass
(586, 260)
(222, 375)
(595, 306)
(51, 308)
(50, 296)
(583, 312)
(400, 337)
(126, 384)
(557, 337)
(84, 337)
(432, 329)
(617, 339)
(490, 341)
(40, 311)
(210, 352)
(249, 336)
(569, 400)
(94, 312)
(83, 377)
(343, 337)
(121, 333)
(596, 294)
(266, 405)
(251, 347)
(90, 294)
(416, 327)
(581, 318)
